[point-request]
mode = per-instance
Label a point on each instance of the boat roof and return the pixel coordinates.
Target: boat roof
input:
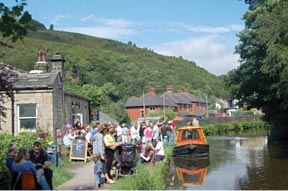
(189, 127)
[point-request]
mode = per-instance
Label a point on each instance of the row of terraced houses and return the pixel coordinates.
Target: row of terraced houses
(185, 104)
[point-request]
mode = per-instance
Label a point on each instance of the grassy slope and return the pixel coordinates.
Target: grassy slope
(92, 60)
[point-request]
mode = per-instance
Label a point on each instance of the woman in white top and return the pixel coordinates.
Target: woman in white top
(159, 149)
(134, 133)
(68, 137)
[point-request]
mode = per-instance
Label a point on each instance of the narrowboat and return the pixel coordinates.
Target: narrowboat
(191, 141)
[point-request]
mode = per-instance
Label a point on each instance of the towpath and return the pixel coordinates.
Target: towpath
(83, 179)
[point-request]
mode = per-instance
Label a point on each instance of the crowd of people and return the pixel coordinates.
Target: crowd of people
(147, 139)
(103, 142)
(105, 139)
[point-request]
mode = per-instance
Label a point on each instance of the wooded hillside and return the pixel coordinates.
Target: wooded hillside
(109, 71)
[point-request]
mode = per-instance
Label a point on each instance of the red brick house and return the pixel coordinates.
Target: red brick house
(184, 103)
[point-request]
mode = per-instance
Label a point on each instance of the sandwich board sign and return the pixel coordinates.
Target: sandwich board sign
(78, 149)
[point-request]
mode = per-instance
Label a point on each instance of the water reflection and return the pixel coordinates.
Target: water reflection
(236, 163)
(189, 171)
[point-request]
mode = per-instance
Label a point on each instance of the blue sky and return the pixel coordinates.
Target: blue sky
(203, 31)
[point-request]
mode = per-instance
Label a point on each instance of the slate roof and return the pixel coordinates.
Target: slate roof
(7, 71)
(170, 99)
(103, 118)
(149, 100)
(176, 98)
(23, 80)
(27, 81)
(189, 97)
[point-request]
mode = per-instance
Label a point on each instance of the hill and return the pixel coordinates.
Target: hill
(122, 70)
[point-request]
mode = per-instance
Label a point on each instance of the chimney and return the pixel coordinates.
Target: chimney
(152, 90)
(57, 62)
(169, 89)
(186, 90)
(41, 64)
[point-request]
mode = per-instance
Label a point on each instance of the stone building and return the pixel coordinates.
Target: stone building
(40, 100)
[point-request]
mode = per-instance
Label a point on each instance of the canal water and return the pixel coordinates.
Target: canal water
(241, 162)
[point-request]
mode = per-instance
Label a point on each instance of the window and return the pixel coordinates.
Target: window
(152, 108)
(190, 135)
(27, 117)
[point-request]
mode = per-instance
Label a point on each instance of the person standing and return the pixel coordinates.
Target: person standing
(195, 122)
(77, 124)
(98, 168)
(99, 149)
(155, 132)
(169, 133)
(141, 131)
(134, 133)
(124, 133)
(118, 133)
(148, 133)
(110, 146)
(59, 141)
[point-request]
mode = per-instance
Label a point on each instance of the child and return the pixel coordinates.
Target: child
(97, 170)
(59, 140)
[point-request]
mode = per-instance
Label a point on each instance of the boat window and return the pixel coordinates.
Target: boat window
(190, 134)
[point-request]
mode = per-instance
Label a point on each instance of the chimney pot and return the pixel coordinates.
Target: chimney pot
(186, 90)
(42, 61)
(152, 90)
(169, 89)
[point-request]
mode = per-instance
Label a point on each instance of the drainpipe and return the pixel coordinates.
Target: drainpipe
(12, 113)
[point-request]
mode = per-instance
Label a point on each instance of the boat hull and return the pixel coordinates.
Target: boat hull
(193, 150)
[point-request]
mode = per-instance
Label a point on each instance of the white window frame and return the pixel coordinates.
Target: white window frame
(32, 117)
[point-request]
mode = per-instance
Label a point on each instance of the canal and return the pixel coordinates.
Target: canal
(238, 162)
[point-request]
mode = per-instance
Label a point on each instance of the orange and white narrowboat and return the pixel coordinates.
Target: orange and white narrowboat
(191, 141)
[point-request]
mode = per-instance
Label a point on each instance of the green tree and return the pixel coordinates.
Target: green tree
(94, 93)
(261, 81)
(14, 24)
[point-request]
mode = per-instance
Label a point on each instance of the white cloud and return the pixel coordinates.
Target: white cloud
(87, 18)
(122, 23)
(55, 20)
(105, 28)
(215, 57)
(102, 32)
(208, 29)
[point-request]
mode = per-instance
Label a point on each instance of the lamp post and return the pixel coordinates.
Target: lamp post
(206, 104)
(144, 112)
(164, 105)
(13, 113)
